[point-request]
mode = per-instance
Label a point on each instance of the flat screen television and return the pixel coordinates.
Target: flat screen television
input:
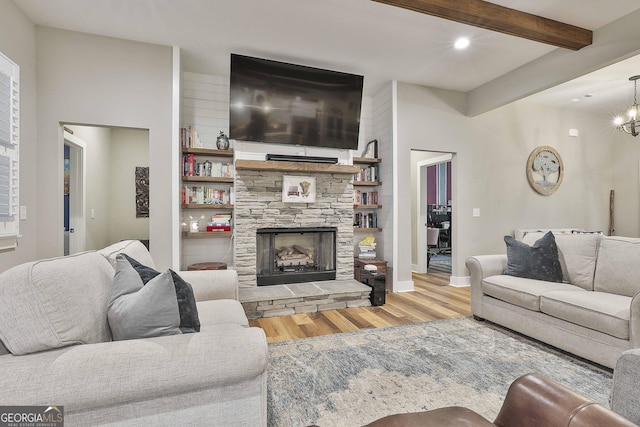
(276, 102)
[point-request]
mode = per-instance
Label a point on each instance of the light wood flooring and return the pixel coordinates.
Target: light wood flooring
(432, 299)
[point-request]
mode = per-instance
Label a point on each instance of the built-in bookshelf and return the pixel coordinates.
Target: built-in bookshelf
(207, 189)
(365, 195)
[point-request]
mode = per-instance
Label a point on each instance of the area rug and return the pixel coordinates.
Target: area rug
(440, 263)
(351, 379)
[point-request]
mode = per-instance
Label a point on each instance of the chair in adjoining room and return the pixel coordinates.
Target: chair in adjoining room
(433, 239)
(444, 239)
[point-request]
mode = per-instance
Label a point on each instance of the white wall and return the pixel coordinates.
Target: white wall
(18, 43)
(489, 166)
(93, 80)
(626, 184)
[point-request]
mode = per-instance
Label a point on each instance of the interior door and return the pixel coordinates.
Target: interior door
(74, 183)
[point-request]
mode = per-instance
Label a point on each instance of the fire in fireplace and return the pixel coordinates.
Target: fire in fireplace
(293, 255)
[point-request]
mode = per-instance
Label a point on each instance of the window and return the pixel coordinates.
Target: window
(9, 143)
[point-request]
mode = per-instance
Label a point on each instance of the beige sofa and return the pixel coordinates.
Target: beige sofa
(594, 313)
(58, 349)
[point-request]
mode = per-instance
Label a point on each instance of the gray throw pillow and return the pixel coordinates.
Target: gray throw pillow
(136, 310)
(539, 261)
(189, 321)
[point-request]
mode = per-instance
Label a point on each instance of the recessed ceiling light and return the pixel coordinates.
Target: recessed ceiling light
(461, 43)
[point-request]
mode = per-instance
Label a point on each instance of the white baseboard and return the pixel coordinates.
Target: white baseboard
(406, 286)
(460, 281)
(416, 269)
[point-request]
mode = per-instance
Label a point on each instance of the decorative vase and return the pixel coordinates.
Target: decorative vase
(222, 142)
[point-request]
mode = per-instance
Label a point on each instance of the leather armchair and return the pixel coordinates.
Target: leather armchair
(532, 401)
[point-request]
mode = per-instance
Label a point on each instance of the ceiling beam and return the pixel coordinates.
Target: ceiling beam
(502, 19)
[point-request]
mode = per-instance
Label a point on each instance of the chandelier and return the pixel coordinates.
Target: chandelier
(633, 125)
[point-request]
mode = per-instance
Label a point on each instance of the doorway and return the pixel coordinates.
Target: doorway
(106, 167)
(74, 194)
(432, 200)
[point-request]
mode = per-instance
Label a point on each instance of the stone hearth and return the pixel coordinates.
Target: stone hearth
(310, 297)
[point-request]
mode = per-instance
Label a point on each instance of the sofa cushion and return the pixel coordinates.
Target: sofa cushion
(189, 322)
(577, 254)
(138, 310)
(539, 261)
(55, 302)
(134, 248)
(603, 312)
(521, 291)
(618, 266)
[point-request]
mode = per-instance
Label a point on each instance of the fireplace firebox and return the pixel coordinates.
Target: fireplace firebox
(293, 255)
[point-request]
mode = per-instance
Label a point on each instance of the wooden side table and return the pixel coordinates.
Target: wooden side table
(358, 265)
(207, 266)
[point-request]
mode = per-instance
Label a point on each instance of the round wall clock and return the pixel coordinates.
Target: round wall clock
(545, 170)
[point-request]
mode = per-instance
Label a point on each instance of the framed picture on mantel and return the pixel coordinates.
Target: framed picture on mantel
(298, 189)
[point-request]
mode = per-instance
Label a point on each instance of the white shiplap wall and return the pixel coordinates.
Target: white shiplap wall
(382, 110)
(205, 105)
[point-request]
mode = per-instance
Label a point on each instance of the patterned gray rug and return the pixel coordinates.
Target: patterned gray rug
(440, 263)
(354, 378)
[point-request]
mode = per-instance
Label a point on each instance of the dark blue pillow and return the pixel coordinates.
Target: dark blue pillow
(539, 261)
(189, 321)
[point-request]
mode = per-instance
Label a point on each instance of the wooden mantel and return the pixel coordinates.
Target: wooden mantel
(277, 166)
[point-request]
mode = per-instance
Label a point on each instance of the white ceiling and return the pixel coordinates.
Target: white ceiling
(382, 42)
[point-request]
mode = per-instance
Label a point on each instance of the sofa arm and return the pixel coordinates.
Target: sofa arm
(481, 267)
(625, 396)
(92, 376)
(634, 321)
(212, 284)
(534, 400)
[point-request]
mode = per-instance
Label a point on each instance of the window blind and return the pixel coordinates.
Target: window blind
(9, 156)
(5, 109)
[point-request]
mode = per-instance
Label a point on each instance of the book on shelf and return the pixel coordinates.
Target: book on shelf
(367, 255)
(217, 228)
(365, 197)
(370, 174)
(365, 220)
(205, 195)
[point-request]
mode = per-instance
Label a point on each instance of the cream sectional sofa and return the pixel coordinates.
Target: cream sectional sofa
(594, 313)
(58, 349)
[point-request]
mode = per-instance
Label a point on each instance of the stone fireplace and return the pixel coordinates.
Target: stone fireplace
(295, 255)
(259, 206)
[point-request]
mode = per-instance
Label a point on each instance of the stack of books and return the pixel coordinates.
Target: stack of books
(220, 222)
(367, 248)
(190, 138)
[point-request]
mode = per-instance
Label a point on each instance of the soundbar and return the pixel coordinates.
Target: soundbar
(310, 159)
